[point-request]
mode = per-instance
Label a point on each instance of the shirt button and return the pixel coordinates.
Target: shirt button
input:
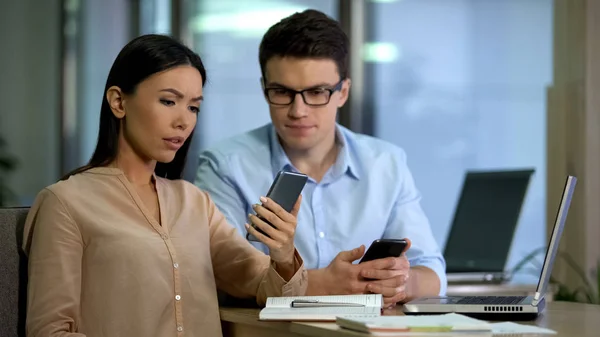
(175, 265)
(321, 235)
(177, 297)
(164, 236)
(180, 328)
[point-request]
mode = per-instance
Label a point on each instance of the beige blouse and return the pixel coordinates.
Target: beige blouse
(99, 265)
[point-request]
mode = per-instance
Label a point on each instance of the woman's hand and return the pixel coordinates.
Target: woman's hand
(280, 239)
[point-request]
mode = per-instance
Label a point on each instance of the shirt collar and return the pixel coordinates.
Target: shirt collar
(346, 161)
(279, 160)
(345, 164)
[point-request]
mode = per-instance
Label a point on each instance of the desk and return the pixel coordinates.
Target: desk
(568, 319)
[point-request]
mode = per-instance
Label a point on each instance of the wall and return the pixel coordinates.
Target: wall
(105, 29)
(29, 91)
(466, 90)
(574, 135)
(227, 35)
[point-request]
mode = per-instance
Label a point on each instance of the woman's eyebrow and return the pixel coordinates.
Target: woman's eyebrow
(180, 95)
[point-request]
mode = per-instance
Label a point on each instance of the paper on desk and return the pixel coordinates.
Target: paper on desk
(506, 328)
(446, 323)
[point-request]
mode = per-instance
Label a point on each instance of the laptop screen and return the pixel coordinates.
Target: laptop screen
(485, 220)
(559, 225)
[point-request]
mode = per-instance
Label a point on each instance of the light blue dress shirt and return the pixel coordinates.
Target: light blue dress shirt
(368, 194)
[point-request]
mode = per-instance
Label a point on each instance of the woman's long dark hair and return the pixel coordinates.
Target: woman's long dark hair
(142, 57)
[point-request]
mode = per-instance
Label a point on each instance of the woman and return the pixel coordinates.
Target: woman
(122, 246)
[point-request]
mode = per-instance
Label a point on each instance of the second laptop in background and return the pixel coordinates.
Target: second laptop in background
(484, 225)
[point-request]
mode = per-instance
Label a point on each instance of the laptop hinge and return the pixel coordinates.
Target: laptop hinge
(537, 298)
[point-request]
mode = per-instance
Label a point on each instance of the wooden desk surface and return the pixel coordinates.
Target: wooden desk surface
(568, 319)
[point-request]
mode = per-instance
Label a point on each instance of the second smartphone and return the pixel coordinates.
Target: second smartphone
(383, 248)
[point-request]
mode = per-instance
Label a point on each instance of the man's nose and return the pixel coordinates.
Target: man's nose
(298, 108)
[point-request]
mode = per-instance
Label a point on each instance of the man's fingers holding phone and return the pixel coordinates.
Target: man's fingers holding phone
(383, 263)
(296, 208)
(384, 274)
(391, 295)
(387, 275)
(393, 288)
(388, 291)
(388, 267)
(408, 244)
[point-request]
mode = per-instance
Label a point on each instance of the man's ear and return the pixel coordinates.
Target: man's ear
(262, 83)
(344, 92)
(115, 99)
(262, 86)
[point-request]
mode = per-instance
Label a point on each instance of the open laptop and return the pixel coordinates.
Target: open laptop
(503, 307)
(484, 225)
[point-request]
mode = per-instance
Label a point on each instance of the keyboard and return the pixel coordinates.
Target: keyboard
(495, 300)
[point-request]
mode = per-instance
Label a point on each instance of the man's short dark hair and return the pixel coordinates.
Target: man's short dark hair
(309, 34)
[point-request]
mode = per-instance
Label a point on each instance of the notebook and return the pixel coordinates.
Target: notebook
(512, 328)
(407, 325)
(436, 325)
(321, 308)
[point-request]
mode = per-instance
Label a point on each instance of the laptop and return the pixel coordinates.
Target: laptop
(484, 224)
(503, 307)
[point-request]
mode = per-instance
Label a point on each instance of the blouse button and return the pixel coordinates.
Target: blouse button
(175, 265)
(177, 297)
(180, 328)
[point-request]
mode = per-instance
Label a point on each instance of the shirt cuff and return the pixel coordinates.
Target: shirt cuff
(440, 270)
(297, 285)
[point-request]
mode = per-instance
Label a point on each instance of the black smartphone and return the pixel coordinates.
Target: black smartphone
(383, 248)
(284, 190)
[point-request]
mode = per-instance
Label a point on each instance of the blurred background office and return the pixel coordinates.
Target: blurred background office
(459, 84)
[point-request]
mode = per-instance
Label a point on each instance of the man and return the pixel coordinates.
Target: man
(359, 188)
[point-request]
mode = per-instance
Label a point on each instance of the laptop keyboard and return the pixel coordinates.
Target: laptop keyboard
(503, 300)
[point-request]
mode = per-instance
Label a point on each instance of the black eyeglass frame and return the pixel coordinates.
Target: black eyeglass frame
(293, 93)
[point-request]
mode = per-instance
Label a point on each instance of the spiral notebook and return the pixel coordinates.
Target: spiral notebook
(321, 308)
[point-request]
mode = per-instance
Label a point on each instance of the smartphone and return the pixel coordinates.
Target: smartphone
(284, 191)
(383, 248)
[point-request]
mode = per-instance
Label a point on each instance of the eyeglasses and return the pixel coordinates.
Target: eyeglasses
(311, 96)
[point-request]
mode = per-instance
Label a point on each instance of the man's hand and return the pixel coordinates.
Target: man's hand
(342, 277)
(383, 276)
(388, 277)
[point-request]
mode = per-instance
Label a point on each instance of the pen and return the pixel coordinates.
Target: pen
(315, 304)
